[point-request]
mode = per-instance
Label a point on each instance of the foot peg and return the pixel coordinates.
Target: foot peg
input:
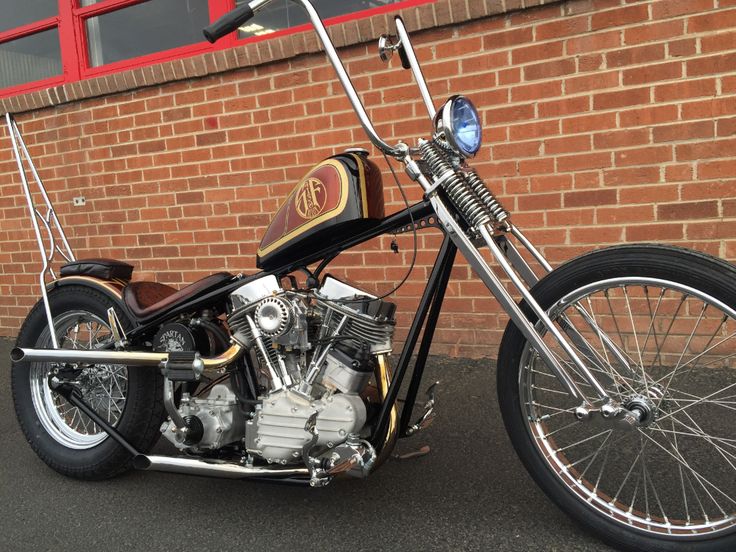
(429, 414)
(424, 450)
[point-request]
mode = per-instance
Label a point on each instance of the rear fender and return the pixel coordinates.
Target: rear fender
(111, 288)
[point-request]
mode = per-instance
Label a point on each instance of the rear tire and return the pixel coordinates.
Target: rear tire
(130, 398)
(634, 489)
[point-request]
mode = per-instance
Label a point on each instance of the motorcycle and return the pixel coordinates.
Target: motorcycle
(616, 372)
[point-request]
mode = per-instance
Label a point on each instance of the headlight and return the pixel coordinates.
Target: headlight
(459, 121)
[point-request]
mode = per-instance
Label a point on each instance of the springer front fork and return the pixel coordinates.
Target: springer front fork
(572, 344)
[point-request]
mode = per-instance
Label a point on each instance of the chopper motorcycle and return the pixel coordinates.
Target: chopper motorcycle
(616, 372)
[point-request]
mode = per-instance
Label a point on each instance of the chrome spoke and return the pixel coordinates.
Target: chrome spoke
(676, 474)
(104, 388)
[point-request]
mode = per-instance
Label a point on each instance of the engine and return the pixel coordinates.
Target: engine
(315, 351)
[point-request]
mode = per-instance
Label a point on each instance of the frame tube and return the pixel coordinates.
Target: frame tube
(496, 287)
(411, 341)
(439, 295)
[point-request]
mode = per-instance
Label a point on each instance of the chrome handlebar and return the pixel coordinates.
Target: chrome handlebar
(398, 151)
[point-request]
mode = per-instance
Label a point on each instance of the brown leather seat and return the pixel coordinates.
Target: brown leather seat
(145, 299)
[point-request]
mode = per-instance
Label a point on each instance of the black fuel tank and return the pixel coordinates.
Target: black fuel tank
(341, 196)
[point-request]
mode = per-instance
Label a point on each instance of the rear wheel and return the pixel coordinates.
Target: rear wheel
(128, 398)
(657, 327)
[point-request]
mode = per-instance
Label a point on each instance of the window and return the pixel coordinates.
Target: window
(45, 43)
(31, 50)
(157, 25)
(284, 14)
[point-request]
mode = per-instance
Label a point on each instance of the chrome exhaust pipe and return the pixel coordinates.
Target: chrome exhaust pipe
(214, 468)
(128, 358)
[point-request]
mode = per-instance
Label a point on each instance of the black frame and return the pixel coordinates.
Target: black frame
(425, 318)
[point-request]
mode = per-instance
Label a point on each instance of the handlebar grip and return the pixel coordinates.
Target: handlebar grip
(227, 23)
(404, 57)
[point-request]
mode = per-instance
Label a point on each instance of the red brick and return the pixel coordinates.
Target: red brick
(621, 138)
(654, 232)
(591, 137)
(591, 42)
(591, 198)
(705, 150)
(673, 8)
(653, 73)
(719, 19)
(722, 63)
(549, 69)
(683, 131)
(621, 16)
(643, 156)
(635, 56)
(652, 32)
(623, 98)
(594, 81)
(583, 161)
(687, 210)
(631, 176)
(567, 26)
(536, 52)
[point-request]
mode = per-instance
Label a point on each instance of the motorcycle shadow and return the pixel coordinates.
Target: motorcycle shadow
(470, 492)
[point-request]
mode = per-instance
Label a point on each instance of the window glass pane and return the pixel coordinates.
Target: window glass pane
(145, 28)
(33, 57)
(16, 13)
(282, 14)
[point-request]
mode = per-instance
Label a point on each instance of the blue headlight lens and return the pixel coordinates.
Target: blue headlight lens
(466, 126)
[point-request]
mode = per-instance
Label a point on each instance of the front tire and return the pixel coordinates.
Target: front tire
(129, 398)
(669, 485)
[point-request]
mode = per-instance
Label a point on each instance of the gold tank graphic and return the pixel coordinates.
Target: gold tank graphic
(310, 198)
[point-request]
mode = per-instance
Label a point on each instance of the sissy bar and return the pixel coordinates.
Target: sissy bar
(43, 215)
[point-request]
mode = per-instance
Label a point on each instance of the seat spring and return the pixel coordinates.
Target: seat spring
(458, 190)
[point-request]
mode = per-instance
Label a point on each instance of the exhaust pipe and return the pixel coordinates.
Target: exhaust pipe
(214, 468)
(129, 358)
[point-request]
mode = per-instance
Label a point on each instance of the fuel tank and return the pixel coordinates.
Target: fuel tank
(341, 196)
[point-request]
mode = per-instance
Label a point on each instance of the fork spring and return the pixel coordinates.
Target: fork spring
(498, 213)
(457, 188)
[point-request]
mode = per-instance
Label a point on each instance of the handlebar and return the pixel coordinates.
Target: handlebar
(228, 23)
(232, 20)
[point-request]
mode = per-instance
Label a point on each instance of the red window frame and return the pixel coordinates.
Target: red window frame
(75, 52)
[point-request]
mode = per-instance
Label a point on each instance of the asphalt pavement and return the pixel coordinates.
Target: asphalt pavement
(469, 493)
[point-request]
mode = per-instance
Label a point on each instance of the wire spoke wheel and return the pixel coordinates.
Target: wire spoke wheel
(677, 473)
(104, 387)
(656, 326)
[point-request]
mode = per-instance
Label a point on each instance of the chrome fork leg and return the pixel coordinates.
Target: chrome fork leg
(486, 233)
(494, 284)
(569, 328)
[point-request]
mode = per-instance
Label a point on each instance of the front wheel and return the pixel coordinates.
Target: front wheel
(657, 327)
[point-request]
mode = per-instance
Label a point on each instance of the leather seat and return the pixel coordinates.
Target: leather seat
(104, 269)
(146, 299)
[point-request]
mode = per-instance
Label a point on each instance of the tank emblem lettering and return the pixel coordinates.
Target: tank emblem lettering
(310, 198)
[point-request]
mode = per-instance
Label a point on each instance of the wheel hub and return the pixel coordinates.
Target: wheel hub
(643, 408)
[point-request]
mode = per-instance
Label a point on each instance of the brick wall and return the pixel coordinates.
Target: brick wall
(606, 121)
